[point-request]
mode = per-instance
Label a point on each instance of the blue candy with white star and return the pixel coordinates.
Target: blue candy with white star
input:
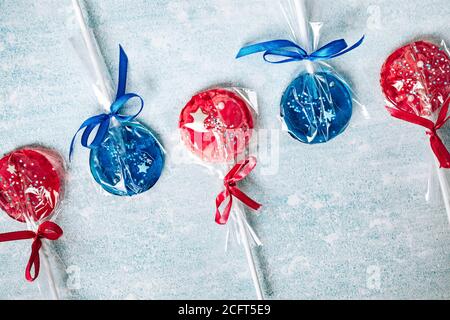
(316, 107)
(125, 159)
(129, 161)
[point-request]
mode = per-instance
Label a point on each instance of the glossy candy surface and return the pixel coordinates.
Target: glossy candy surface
(216, 125)
(129, 161)
(416, 78)
(316, 107)
(30, 184)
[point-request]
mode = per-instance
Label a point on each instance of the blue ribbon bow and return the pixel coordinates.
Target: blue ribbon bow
(103, 120)
(293, 52)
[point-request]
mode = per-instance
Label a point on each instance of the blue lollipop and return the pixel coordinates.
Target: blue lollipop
(316, 107)
(129, 161)
(125, 159)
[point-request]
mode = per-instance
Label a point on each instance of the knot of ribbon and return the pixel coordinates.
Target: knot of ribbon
(291, 51)
(47, 230)
(236, 174)
(438, 147)
(102, 121)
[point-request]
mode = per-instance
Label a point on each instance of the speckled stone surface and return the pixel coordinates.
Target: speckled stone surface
(346, 219)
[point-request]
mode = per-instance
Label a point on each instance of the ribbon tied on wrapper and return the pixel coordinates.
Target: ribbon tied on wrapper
(31, 189)
(415, 80)
(217, 125)
(236, 174)
(126, 159)
(293, 52)
(102, 121)
(47, 230)
(317, 105)
(438, 147)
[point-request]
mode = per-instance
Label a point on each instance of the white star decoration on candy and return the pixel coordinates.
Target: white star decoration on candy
(199, 121)
(11, 169)
(398, 85)
(328, 116)
(143, 168)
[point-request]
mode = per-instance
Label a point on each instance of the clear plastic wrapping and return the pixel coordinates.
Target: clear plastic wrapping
(318, 104)
(128, 159)
(218, 126)
(416, 82)
(221, 128)
(31, 192)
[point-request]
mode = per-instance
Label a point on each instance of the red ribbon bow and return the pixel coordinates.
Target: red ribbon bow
(47, 230)
(236, 174)
(439, 149)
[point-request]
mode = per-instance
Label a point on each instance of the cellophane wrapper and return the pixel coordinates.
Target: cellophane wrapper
(230, 147)
(118, 180)
(412, 84)
(36, 197)
(330, 97)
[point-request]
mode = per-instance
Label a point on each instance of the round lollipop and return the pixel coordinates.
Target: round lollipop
(30, 192)
(316, 107)
(416, 78)
(129, 161)
(30, 185)
(216, 125)
(416, 82)
(126, 159)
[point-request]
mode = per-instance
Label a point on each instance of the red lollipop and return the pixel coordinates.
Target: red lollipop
(416, 82)
(30, 191)
(216, 125)
(30, 184)
(416, 78)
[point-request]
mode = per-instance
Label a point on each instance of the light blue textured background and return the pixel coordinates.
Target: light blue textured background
(336, 217)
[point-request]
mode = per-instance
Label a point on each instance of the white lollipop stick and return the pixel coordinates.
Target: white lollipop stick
(97, 61)
(442, 181)
(444, 188)
(241, 220)
(48, 270)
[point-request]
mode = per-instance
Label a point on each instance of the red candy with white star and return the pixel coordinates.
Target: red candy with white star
(216, 125)
(416, 78)
(30, 184)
